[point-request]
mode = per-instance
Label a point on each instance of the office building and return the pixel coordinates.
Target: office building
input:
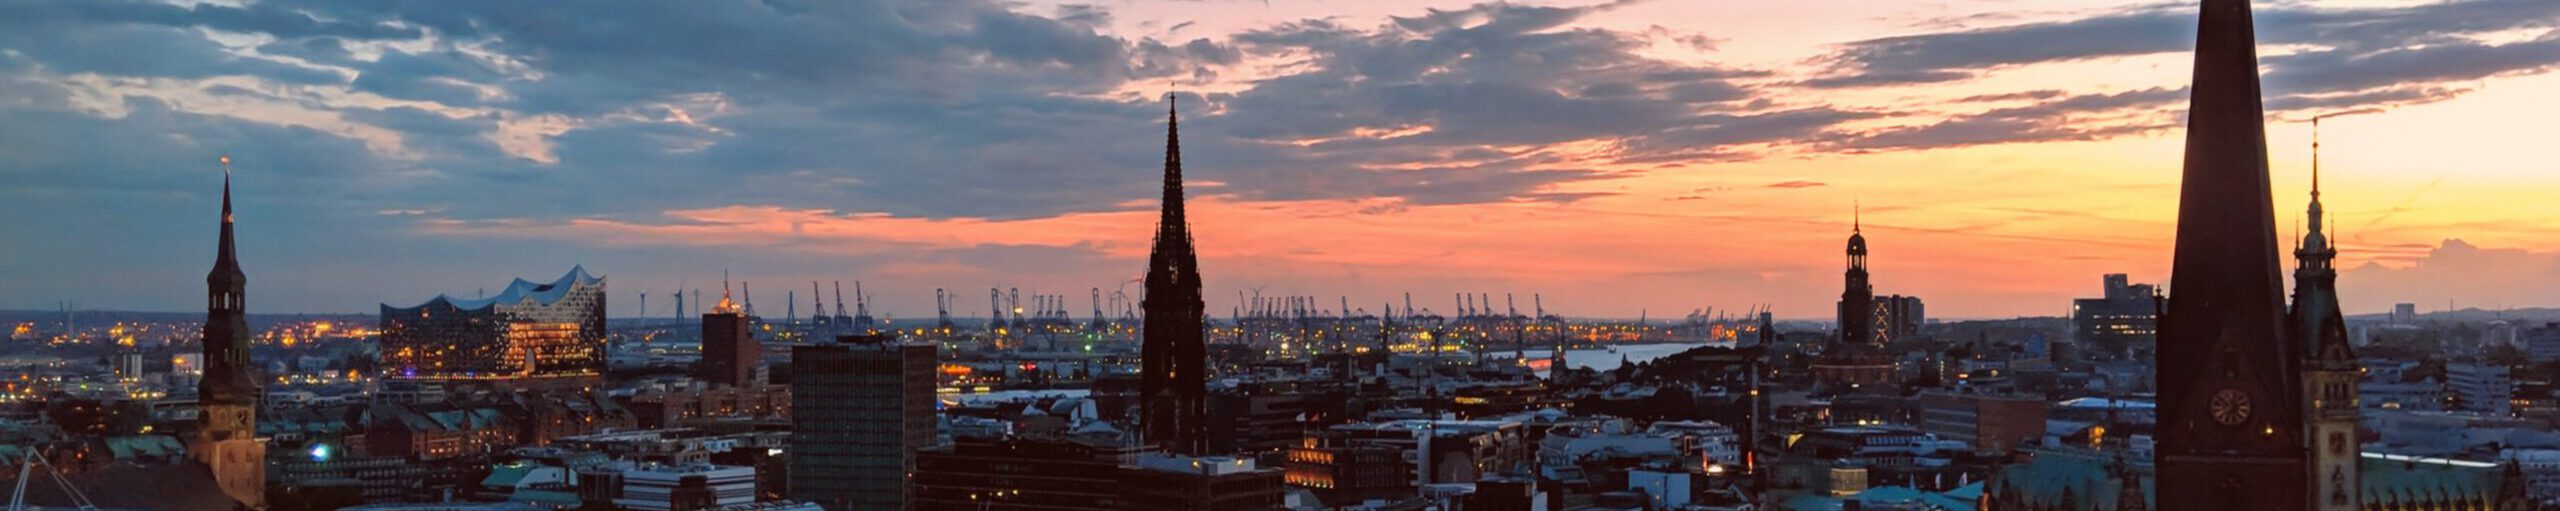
(686, 487)
(1186, 483)
(1022, 474)
(861, 407)
(527, 333)
(729, 349)
(1992, 424)
(2542, 343)
(2124, 318)
(1348, 473)
(2480, 388)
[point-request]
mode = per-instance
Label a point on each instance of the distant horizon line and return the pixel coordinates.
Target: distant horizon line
(980, 319)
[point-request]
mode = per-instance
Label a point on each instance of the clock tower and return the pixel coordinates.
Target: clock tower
(2330, 371)
(226, 437)
(2231, 415)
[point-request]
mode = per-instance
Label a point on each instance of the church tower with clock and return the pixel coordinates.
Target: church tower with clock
(226, 437)
(2330, 370)
(2231, 409)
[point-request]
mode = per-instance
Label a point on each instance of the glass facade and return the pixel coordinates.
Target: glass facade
(530, 330)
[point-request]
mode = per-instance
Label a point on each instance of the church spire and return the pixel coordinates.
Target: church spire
(226, 259)
(1173, 386)
(2229, 376)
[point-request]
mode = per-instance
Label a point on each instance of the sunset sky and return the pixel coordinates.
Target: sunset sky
(1618, 157)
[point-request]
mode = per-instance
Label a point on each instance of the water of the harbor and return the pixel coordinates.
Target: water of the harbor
(1598, 359)
(1607, 359)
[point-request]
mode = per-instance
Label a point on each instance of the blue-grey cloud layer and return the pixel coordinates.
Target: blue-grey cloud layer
(937, 108)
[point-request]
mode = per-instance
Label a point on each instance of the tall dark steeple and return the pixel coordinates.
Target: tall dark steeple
(1173, 392)
(2331, 376)
(2231, 420)
(226, 327)
(226, 438)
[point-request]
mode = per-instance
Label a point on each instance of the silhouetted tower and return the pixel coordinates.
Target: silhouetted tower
(227, 398)
(1858, 299)
(2231, 417)
(1173, 392)
(2331, 374)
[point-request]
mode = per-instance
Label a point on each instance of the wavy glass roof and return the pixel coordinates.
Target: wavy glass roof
(521, 291)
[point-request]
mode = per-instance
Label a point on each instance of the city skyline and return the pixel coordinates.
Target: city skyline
(1505, 148)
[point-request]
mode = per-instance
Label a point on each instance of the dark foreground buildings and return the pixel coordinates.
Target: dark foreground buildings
(860, 408)
(729, 348)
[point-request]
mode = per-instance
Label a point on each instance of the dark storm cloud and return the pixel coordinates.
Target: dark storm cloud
(436, 76)
(144, 50)
(1458, 84)
(261, 18)
(2342, 50)
(2067, 118)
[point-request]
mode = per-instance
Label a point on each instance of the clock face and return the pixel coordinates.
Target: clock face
(2230, 407)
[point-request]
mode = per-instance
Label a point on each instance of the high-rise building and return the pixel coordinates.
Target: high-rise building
(2331, 374)
(2230, 405)
(537, 332)
(729, 348)
(1173, 384)
(226, 439)
(2125, 318)
(860, 408)
(1899, 317)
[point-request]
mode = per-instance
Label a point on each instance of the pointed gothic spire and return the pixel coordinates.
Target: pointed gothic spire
(1173, 162)
(2224, 338)
(1173, 384)
(2229, 285)
(226, 259)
